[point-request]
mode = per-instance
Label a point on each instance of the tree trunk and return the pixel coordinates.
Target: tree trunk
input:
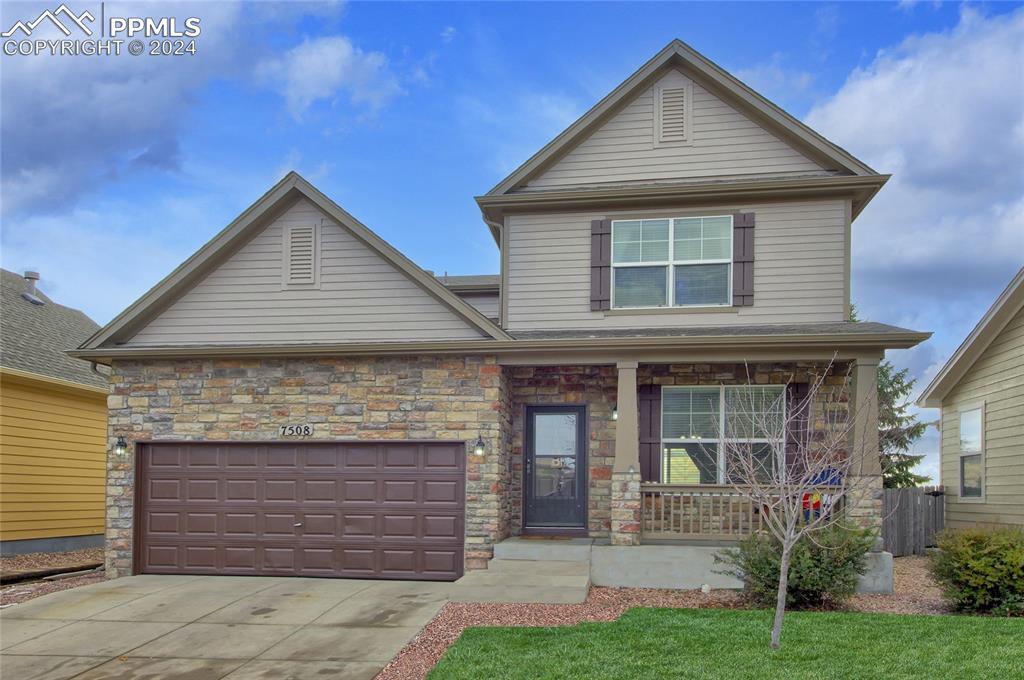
(780, 602)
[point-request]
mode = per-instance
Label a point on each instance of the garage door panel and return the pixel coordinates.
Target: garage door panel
(241, 457)
(359, 458)
(201, 524)
(359, 491)
(443, 458)
(339, 509)
(240, 524)
(241, 490)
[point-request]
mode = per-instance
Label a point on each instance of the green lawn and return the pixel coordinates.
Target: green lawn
(691, 643)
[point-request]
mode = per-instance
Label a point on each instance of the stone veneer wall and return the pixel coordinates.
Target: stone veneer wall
(593, 386)
(443, 398)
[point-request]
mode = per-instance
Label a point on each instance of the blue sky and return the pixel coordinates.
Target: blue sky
(115, 169)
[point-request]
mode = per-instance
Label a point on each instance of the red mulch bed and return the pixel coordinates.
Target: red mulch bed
(915, 593)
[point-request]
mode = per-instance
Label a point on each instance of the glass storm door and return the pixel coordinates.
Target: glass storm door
(555, 478)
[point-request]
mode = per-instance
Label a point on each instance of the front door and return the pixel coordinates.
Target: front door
(555, 478)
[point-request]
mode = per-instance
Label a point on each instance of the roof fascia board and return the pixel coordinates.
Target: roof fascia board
(865, 341)
(494, 206)
(28, 378)
(426, 281)
(1002, 311)
(706, 71)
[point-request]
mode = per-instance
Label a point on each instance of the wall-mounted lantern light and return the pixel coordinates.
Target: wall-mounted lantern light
(121, 447)
(479, 448)
(615, 412)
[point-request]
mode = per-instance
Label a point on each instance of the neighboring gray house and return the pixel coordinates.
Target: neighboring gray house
(300, 398)
(981, 393)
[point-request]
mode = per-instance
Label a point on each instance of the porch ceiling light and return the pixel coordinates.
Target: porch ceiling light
(479, 448)
(121, 447)
(615, 412)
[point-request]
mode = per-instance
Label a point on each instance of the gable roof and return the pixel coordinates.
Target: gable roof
(714, 78)
(1006, 306)
(34, 338)
(254, 218)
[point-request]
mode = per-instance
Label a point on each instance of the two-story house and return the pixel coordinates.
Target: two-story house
(300, 398)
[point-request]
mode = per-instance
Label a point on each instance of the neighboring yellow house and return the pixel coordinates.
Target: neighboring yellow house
(981, 393)
(53, 425)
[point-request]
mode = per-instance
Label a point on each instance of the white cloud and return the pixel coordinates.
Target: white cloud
(944, 113)
(72, 123)
(448, 34)
(322, 68)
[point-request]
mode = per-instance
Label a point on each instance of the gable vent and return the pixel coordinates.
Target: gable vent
(301, 257)
(673, 119)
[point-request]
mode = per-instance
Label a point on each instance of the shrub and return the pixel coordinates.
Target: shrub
(982, 570)
(823, 571)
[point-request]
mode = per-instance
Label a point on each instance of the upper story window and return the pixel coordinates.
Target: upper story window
(672, 262)
(972, 452)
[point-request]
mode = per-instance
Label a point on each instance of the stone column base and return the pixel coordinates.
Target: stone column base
(626, 507)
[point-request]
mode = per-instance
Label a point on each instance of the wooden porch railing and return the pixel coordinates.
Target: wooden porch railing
(706, 511)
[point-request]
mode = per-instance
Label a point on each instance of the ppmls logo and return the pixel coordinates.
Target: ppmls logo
(71, 17)
(164, 36)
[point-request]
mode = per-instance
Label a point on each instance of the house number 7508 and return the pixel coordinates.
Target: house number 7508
(295, 430)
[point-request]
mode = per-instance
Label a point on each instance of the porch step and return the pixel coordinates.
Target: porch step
(544, 581)
(565, 550)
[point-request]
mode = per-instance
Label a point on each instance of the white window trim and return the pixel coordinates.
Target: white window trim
(670, 263)
(720, 462)
(961, 410)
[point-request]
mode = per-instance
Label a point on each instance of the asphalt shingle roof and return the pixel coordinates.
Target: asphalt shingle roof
(34, 338)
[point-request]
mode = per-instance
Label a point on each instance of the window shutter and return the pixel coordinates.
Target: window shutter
(301, 256)
(673, 121)
(743, 260)
(600, 265)
(797, 426)
(650, 432)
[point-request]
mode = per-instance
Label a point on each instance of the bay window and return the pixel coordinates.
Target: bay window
(672, 262)
(698, 422)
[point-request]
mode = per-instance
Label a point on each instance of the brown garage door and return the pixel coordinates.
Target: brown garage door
(357, 510)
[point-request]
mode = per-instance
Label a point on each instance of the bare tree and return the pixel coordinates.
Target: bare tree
(802, 478)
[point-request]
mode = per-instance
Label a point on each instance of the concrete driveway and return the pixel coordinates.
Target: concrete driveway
(200, 627)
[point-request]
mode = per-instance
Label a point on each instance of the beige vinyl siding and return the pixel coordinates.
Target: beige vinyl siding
(997, 379)
(724, 142)
(799, 262)
(360, 297)
(485, 303)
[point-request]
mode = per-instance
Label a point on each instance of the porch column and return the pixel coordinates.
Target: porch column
(626, 500)
(865, 502)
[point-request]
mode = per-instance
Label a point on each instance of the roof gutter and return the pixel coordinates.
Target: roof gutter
(582, 345)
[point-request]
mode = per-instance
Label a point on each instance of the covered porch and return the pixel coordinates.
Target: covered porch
(633, 479)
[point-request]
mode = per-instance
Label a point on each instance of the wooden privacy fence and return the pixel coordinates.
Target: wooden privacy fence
(911, 518)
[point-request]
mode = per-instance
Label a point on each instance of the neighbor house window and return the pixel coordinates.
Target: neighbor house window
(696, 423)
(672, 262)
(972, 452)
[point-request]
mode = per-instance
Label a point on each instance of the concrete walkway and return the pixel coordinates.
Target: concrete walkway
(215, 627)
(238, 627)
